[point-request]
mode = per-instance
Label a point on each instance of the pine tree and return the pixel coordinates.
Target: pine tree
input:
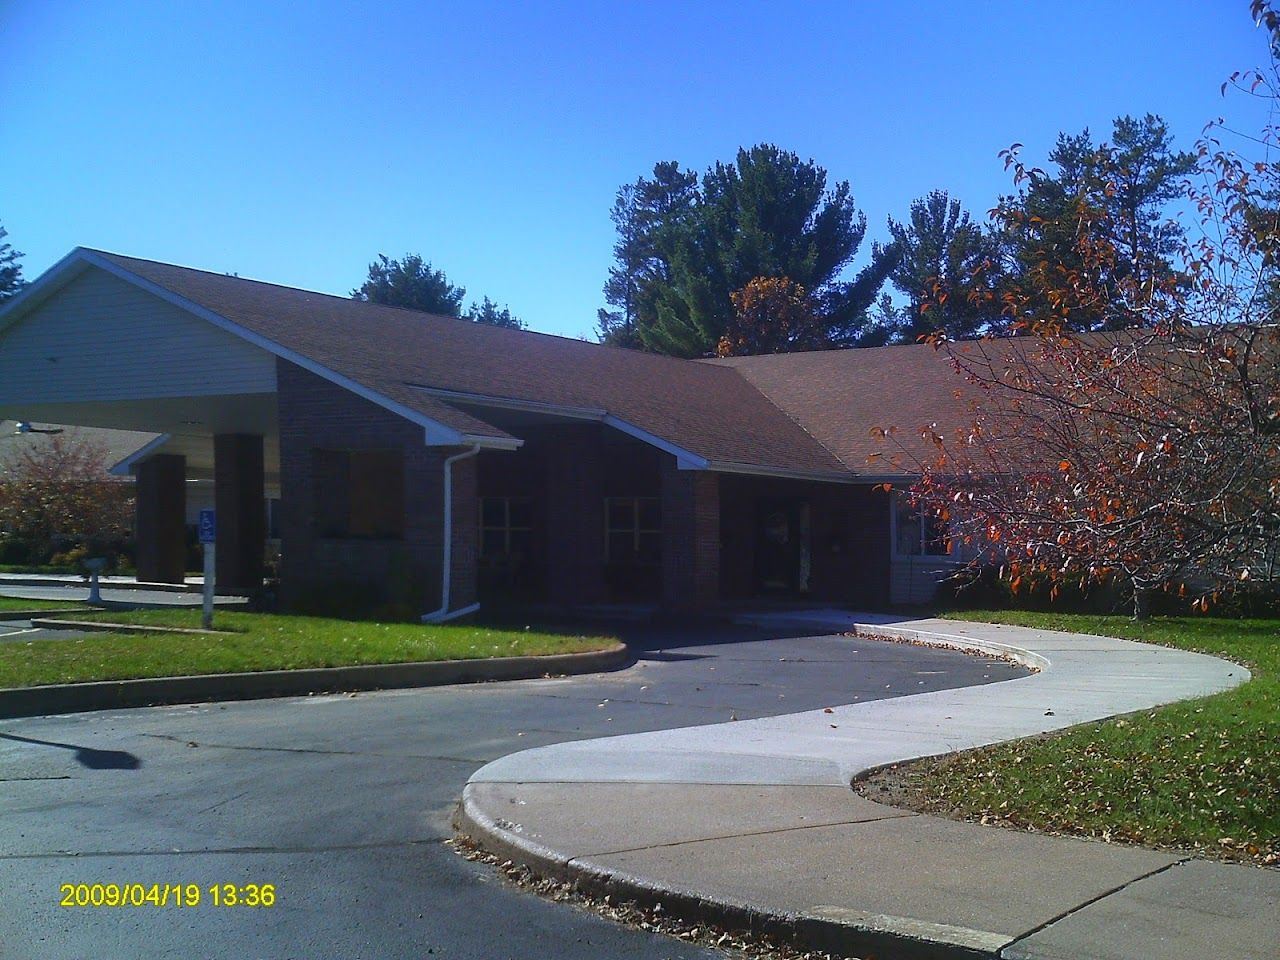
(647, 215)
(948, 268)
(1115, 195)
(411, 282)
(10, 269)
(490, 313)
(768, 214)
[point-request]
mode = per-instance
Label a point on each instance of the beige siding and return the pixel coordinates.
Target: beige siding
(913, 581)
(100, 338)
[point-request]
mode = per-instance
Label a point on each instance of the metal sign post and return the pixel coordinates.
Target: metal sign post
(208, 539)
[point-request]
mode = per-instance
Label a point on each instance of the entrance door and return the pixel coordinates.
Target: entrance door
(782, 547)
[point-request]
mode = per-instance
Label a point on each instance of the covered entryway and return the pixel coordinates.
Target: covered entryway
(785, 539)
(259, 397)
(98, 351)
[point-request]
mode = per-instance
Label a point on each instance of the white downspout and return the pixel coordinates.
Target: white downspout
(446, 577)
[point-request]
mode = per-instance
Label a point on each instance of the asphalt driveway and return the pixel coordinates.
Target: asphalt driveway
(342, 802)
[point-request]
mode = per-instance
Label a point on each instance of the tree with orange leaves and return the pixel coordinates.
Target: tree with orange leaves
(772, 315)
(1150, 455)
(57, 493)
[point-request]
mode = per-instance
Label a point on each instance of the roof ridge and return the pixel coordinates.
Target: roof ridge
(828, 351)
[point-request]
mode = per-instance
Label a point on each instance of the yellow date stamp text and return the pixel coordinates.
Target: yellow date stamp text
(166, 895)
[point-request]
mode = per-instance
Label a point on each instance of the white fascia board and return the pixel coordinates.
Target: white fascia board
(48, 282)
(510, 403)
(725, 466)
(432, 437)
(492, 443)
(445, 435)
(126, 466)
(685, 460)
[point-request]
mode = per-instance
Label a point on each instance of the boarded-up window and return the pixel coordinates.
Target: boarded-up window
(359, 494)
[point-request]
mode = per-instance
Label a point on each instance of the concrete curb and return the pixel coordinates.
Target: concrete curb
(849, 931)
(970, 645)
(159, 691)
(55, 618)
(877, 936)
(104, 626)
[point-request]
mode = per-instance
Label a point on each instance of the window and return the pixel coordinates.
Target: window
(633, 531)
(506, 527)
(917, 532)
(359, 494)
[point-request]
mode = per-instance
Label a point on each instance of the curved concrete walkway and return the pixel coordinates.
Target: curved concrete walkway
(754, 822)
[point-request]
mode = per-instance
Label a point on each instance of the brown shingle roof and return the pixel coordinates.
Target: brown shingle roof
(710, 410)
(841, 396)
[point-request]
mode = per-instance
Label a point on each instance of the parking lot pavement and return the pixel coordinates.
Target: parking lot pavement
(344, 802)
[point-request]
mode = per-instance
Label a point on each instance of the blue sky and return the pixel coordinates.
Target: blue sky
(294, 142)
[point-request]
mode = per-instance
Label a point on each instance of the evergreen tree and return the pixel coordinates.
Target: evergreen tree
(1147, 175)
(488, 312)
(413, 283)
(1115, 195)
(10, 269)
(647, 215)
(885, 323)
(766, 215)
(948, 268)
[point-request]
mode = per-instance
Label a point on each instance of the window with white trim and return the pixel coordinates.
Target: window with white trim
(506, 526)
(917, 531)
(633, 531)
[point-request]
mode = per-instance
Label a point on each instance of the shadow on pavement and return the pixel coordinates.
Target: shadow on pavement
(87, 756)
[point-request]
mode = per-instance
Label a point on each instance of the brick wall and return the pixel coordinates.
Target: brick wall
(567, 470)
(709, 520)
(690, 537)
(316, 414)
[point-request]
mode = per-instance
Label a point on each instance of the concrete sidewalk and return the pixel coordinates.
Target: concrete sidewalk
(754, 822)
(114, 590)
(192, 584)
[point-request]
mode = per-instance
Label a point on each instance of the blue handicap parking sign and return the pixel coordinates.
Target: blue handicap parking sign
(208, 526)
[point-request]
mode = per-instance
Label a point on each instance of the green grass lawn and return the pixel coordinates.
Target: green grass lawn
(1204, 774)
(21, 603)
(258, 641)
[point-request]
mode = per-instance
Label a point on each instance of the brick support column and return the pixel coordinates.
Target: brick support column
(690, 537)
(161, 519)
(575, 517)
(238, 490)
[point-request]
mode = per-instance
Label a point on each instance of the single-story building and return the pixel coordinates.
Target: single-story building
(449, 463)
